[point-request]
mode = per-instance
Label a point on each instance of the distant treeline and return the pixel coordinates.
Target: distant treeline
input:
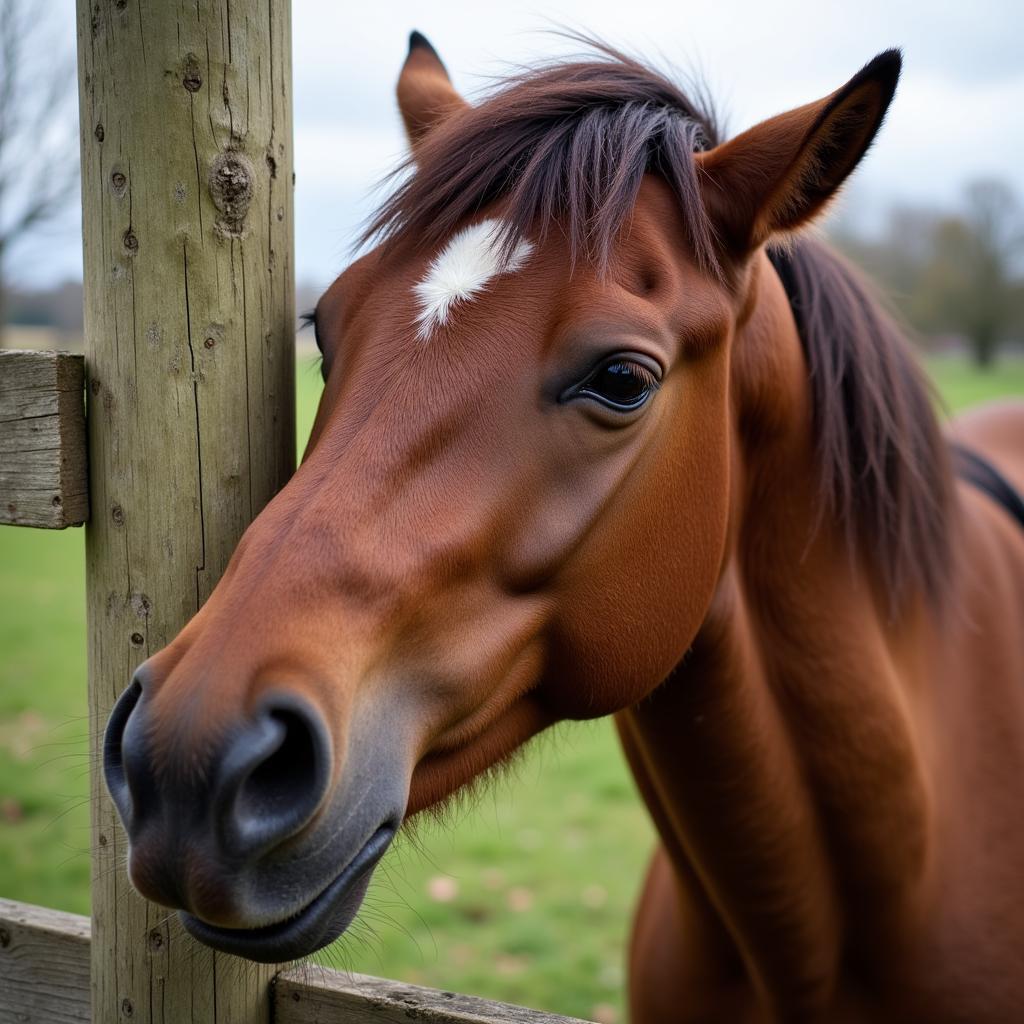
(59, 307)
(952, 274)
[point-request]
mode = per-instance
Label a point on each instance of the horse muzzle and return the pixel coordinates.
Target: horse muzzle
(252, 833)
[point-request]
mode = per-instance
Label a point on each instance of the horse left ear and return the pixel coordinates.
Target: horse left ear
(426, 95)
(781, 173)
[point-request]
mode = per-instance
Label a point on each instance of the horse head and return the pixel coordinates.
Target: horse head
(518, 495)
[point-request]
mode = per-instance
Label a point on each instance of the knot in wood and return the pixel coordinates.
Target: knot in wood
(191, 77)
(231, 184)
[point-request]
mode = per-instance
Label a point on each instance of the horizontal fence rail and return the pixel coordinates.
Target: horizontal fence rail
(44, 976)
(43, 478)
(44, 965)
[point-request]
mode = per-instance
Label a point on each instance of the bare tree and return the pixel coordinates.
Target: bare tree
(954, 272)
(996, 222)
(38, 137)
(971, 281)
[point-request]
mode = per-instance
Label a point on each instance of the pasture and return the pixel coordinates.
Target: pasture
(526, 896)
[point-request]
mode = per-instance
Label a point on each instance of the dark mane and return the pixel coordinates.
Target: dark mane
(885, 471)
(569, 144)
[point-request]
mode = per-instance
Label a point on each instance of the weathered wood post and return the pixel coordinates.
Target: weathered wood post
(189, 319)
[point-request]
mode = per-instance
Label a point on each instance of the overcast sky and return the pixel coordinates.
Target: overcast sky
(958, 115)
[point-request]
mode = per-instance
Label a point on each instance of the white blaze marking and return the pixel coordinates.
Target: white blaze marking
(462, 270)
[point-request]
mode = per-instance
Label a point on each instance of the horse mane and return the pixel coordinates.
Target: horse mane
(884, 465)
(568, 144)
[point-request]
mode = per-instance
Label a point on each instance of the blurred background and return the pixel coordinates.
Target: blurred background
(525, 893)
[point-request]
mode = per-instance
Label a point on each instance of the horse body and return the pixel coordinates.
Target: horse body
(584, 449)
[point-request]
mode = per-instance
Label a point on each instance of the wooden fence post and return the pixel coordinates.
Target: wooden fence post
(189, 321)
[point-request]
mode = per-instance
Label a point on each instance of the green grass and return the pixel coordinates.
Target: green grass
(525, 896)
(962, 384)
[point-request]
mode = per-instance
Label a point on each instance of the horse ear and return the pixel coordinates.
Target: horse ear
(779, 174)
(426, 95)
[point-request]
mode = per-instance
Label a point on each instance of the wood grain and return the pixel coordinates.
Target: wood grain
(44, 965)
(43, 476)
(316, 995)
(185, 112)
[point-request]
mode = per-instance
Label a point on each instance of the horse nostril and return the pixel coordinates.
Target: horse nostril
(115, 758)
(273, 778)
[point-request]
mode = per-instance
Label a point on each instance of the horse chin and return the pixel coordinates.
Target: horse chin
(316, 925)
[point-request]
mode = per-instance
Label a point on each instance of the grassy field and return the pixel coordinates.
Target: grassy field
(525, 896)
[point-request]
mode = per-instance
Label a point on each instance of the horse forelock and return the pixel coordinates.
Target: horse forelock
(568, 144)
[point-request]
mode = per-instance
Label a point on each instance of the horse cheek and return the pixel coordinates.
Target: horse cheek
(640, 587)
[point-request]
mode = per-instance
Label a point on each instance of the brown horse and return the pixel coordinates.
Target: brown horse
(600, 437)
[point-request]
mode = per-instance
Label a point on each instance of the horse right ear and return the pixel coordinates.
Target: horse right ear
(426, 95)
(780, 174)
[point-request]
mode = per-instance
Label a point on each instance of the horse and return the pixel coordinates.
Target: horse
(604, 431)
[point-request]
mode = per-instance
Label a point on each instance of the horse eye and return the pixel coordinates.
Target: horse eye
(621, 384)
(309, 320)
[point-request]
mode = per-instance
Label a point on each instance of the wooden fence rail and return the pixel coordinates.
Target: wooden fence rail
(43, 479)
(44, 976)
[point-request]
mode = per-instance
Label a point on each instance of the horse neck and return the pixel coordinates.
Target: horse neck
(780, 758)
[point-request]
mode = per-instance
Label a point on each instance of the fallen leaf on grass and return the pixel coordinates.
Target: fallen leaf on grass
(604, 1013)
(442, 889)
(519, 899)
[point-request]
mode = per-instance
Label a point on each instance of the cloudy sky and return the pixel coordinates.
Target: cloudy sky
(959, 113)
